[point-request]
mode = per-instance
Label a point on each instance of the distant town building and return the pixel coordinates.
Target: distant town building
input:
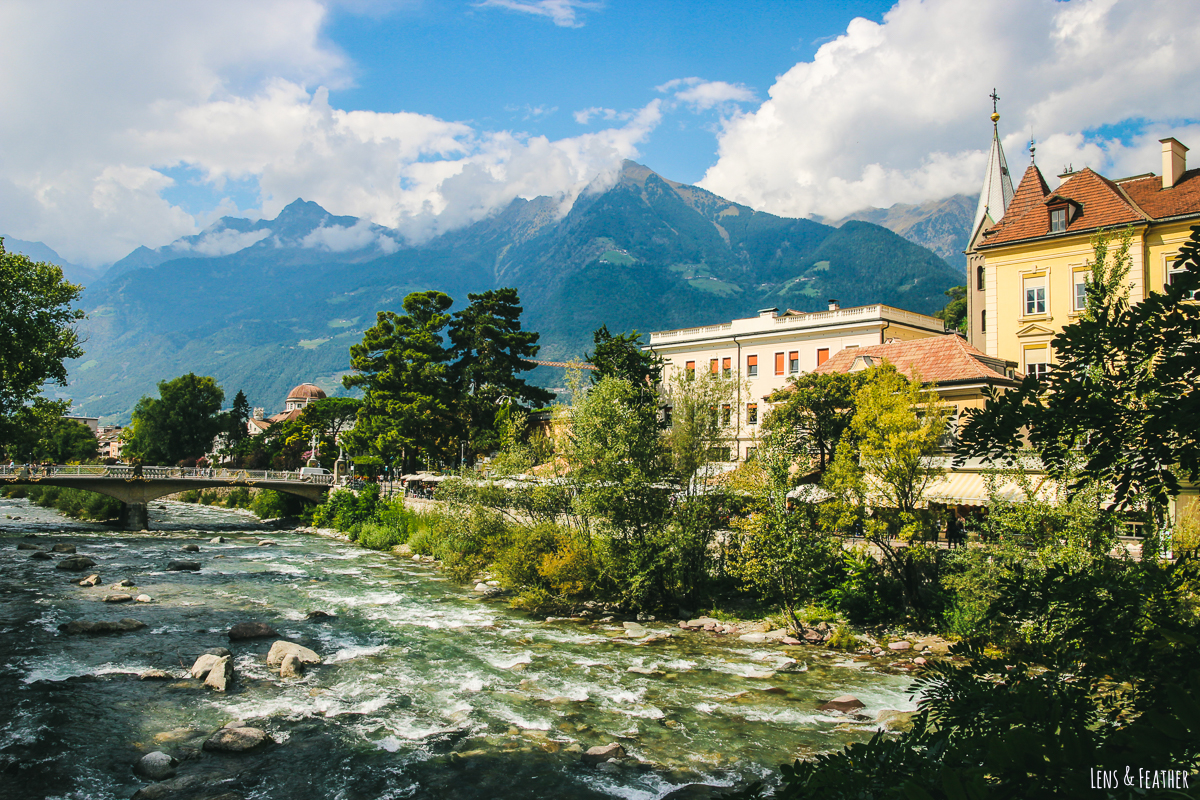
(109, 440)
(761, 353)
(299, 397)
(92, 422)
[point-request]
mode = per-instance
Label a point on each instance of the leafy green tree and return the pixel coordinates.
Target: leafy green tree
(819, 408)
(695, 428)
(402, 364)
(1122, 393)
(621, 356)
(68, 440)
(180, 424)
(37, 331)
(490, 352)
(954, 314)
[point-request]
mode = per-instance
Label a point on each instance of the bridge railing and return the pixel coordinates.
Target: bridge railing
(233, 476)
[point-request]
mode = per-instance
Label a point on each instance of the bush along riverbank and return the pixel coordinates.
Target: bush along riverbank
(75, 503)
(263, 503)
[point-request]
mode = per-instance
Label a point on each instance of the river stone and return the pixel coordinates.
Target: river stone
(75, 563)
(144, 598)
(281, 650)
(156, 766)
(123, 584)
(900, 646)
(118, 598)
(40, 555)
(790, 640)
(634, 631)
(251, 630)
(319, 616)
(90, 580)
(235, 740)
(601, 753)
(220, 677)
(101, 626)
(204, 665)
(155, 675)
(753, 638)
(192, 548)
(179, 566)
(292, 666)
(27, 546)
(218, 651)
(844, 703)
(919, 661)
(217, 540)
(266, 543)
(63, 547)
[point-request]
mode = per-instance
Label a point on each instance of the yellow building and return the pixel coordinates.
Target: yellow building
(1028, 270)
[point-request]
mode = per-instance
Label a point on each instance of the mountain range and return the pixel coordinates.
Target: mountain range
(264, 305)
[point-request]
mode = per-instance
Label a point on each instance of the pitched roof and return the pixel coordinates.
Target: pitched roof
(936, 359)
(1182, 198)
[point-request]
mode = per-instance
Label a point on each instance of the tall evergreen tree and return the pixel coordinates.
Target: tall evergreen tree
(622, 357)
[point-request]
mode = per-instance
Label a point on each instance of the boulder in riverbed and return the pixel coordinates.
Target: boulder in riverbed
(124, 583)
(27, 546)
(156, 766)
(601, 753)
(217, 540)
(900, 646)
(90, 580)
(75, 563)
(319, 616)
(205, 663)
(144, 598)
(101, 626)
(844, 704)
(182, 566)
(220, 677)
(236, 740)
(118, 598)
(192, 548)
(218, 651)
(63, 547)
(292, 667)
(251, 630)
(40, 555)
(156, 675)
(281, 650)
(266, 543)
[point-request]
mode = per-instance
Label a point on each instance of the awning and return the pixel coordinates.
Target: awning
(970, 489)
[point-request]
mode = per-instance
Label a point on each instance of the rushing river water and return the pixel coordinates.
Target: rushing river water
(426, 691)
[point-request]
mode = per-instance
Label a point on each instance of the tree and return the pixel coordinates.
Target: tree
(1122, 394)
(819, 407)
(490, 351)
(954, 314)
(41, 433)
(402, 364)
(236, 420)
(621, 356)
(37, 331)
(695, 426)
(180, 424)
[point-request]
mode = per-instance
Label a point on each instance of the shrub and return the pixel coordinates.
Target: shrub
(238, 497)
(272, 505)
(189, 496)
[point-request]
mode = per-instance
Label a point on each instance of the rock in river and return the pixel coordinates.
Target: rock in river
(27, 546)
(845, 703)
(292, 667)
(62, 547)
(251, 630)
(281, 650)
(40, 555)
(90, 580)
(156, 675)
(181, 565)
(101, 626)
(118, 598)
(235, 740)
(220, 677)
(205, 663)
(601, 753)
(156, 766)
(192, 548)
(76, 563)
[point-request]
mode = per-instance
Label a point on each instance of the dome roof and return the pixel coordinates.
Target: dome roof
(306, 391)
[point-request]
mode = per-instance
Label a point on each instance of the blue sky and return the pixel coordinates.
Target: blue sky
(135, 123)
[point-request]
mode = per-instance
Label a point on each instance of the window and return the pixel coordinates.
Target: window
(1175, 274)
(712, 366)
(727, 368)
(1035, 295)
(979, 278)
(793, 362)
(983, 321)
(1037, 361)
(779, 363)
(752, 413)
(1058, 220)
(691, 370)
(1079, 290)
(752, 366)
(822, 355)
(726, 413)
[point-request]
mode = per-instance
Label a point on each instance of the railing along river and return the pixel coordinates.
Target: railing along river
(249, 476)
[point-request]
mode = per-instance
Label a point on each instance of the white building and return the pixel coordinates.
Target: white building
(762, 352)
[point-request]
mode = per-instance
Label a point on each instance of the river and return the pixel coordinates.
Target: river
(425, 690)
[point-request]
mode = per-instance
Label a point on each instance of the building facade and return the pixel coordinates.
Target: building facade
(761, 353)
(1034, 260)
(293, 406)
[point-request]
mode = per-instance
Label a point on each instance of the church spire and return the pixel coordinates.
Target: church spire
(997, 183)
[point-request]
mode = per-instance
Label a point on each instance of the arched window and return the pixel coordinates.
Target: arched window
(979, 277)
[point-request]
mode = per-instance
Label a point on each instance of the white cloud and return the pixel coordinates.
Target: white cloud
(343, 238)
(585, 116)
(531, 112)
(702, 95)
(222, 242)
(897, 112)
(225, 89)
(564, 13)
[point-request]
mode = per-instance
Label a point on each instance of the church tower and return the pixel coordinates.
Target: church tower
(997, 193)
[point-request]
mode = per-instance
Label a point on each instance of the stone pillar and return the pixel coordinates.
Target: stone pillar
(339, 471)
(135, 517)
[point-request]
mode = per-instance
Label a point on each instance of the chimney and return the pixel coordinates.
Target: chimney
(833, 305)
(768, 312)
(1174, 161)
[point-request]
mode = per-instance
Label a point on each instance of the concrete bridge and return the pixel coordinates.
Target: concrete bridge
(137, 486)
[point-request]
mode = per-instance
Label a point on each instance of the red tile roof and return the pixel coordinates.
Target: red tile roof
(936, 359)
(1097, 203)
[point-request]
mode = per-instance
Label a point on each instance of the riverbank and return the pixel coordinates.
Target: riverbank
(425, 689)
